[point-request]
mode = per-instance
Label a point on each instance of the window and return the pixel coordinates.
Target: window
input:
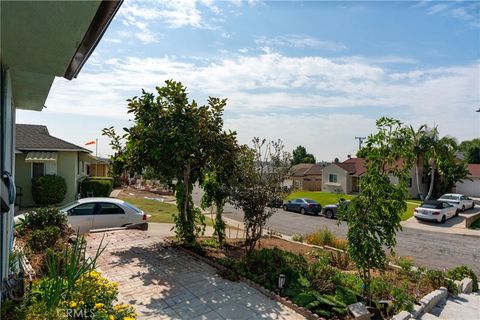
(85, 209)
(109, 208)
(38, 169)
(332, 178)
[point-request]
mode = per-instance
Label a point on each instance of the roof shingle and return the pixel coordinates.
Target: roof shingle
(36, 137)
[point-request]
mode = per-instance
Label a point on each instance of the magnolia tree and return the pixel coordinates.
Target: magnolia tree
(374, 216)
(261, 172)
(179, 140)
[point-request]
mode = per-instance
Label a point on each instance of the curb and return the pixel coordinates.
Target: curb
(268, 293)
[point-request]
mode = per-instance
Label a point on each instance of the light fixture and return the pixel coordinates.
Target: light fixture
(281, 281)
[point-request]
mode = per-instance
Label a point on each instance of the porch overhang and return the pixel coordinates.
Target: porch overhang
(41, 156)
(44, 39)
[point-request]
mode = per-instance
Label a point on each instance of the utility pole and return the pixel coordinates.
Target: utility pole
(360, 141)
(96, 157)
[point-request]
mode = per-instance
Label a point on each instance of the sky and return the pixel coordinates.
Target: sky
(313, 73)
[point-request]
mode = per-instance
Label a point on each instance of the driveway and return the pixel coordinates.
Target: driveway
(455, 225)
(164, 283)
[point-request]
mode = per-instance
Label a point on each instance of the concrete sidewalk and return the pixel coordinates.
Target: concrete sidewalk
(165, 283)
(461, 307)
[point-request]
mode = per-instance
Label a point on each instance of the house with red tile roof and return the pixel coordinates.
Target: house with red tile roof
(344, 177)
(470, 187)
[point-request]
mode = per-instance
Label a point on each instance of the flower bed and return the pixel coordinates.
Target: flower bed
(321, 280)
(66, 284)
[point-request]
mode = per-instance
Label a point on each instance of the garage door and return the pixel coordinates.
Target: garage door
(469, 188)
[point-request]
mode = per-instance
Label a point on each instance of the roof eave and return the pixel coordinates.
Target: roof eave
(97, 28)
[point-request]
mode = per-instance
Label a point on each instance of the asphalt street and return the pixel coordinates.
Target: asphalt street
(428, 249)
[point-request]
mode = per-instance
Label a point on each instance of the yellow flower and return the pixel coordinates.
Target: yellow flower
(110, 317)
(98, 306)
(81, 303)
(73, 304)
(128, 318)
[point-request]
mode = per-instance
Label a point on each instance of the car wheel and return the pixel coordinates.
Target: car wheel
(285, 207)
(302, 211)
(463, 208)
(444, 218)
(456, 213)
(473, 205)
(329, 214)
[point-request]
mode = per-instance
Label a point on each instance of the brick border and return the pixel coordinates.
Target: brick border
(268, 293)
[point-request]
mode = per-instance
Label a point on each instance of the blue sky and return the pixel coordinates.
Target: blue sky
(311, 73)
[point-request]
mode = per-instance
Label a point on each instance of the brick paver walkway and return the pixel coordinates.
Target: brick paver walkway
(164, 283)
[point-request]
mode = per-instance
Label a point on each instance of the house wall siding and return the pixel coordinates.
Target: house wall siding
(342, 179)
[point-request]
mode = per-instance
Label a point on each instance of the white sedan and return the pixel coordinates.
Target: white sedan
(101, 213)
(433, 210)
(461, 201)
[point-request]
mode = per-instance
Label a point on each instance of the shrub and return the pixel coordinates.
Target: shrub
(321, 237)
(41, 239)
(340, 260)
(265, 265)
(461, 272)
(48, 190)
(98, 186)
(438, 279)
(298, 237)
(41, 218)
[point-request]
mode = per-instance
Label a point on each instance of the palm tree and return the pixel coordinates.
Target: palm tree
(430, 139)
(419, 151)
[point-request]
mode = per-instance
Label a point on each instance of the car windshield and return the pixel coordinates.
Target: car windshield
(310, 201)
(131, 206)
(449, 197)
(63, 208)
(431, 206)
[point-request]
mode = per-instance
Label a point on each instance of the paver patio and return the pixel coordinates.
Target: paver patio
(164, 283)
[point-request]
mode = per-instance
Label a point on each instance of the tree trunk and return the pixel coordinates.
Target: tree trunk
(432, 179)
(420, 195)
(189, 221)
(219, 224)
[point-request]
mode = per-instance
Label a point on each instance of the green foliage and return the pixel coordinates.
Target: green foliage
(118, 161)
(178, 140)
(48, 190)
(98, 186)
(300, 155)
(298, 237)
(325, 237)
(437, 279)
(472, 150)
(41, 218)
(41, 239)
(373, 217)
(261, 172)
(461, 272)
(265, 265)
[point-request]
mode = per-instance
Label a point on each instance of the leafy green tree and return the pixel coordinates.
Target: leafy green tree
(472, 150)
(374, 216)
(261, 172)
(300, 155)
(177, 139)
(117, 160)
(219, 180)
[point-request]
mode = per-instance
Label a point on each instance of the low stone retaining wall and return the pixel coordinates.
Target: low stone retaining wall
(471, 219)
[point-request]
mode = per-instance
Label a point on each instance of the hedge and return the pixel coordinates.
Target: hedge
(98, 186)
(48, 190)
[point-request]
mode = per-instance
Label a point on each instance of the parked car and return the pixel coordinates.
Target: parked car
(330, 210)
(99, 213)
(434, 210)
(303, 206)
(461, 201)
(277, 202)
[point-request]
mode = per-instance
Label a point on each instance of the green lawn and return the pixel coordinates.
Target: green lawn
(160, 212)
(325, 198)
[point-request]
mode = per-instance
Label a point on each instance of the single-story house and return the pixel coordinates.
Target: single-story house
(344, 177)
(38, 153)
(470, 187)
(97, 167)
(41, 40)
(306, 176)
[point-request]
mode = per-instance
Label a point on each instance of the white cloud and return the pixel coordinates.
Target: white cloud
(274, 87)
(437, 8)
(300, 41)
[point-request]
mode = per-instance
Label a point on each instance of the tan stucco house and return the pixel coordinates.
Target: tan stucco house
(306, 176)
(38, 153)
(344, 177)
